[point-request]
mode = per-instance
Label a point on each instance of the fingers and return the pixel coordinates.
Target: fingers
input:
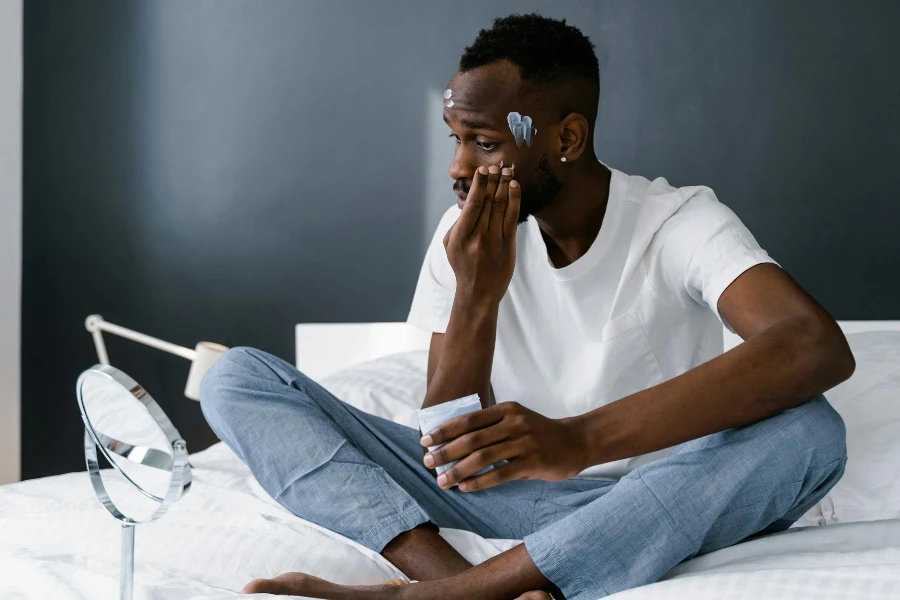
(489, 194)
(501, 201)
(474, 201)
(464, 445)
(475, 462)
(462, 425)
(493, 478)
(511, 219)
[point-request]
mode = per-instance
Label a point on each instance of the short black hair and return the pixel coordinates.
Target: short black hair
(545, 50)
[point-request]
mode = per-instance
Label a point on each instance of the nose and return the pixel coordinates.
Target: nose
(463, 164)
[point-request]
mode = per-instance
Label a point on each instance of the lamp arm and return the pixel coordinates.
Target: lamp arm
(96, 326)
(102, 356)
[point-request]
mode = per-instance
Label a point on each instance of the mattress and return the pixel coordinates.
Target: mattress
(57, 542)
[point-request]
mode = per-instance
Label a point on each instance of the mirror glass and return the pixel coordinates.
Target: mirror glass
(131, 440)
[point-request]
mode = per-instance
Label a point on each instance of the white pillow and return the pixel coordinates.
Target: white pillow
(391, 387)
(869, 403)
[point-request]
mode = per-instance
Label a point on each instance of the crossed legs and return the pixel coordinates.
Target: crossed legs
(363, 477)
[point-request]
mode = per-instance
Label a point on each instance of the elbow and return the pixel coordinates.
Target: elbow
(834, 360)
(841, 363)
(847, 361)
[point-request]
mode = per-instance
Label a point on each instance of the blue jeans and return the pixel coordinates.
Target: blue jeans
(362, 476)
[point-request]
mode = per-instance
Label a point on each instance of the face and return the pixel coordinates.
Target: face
(476, 113)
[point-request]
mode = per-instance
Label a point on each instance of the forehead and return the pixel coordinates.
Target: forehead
(488, 93)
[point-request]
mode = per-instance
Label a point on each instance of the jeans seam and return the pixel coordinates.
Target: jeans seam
(534, 505)
(763, 501)
(830, 464)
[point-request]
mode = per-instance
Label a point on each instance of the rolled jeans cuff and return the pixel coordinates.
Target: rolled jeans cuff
(544, 551)
(381, 533)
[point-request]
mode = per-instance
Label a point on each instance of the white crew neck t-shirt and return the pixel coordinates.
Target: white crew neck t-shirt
(639, 307)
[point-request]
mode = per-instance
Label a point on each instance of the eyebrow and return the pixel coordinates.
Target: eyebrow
(473, 124)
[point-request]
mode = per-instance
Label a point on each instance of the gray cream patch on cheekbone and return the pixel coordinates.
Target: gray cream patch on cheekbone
(521, 128)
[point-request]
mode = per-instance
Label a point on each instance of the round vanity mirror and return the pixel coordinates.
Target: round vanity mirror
(149, 458)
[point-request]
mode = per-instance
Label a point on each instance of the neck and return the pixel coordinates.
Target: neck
(572, 221)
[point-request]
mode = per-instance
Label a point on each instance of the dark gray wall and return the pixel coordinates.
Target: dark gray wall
(222, 170)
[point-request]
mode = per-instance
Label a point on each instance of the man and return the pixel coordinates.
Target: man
(583, 305)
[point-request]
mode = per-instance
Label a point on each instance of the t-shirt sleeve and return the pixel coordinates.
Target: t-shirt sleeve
(701, 249)
(436, 288)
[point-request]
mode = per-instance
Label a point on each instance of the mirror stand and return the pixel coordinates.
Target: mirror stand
(115, 408)
(126, 569)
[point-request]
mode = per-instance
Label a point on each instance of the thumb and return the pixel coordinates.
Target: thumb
(447, 235)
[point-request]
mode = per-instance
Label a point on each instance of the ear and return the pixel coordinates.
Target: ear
(573, 136)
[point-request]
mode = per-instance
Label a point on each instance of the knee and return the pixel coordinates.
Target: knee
(228, 375)
(239, 377)
(235, 363)
(817, 428)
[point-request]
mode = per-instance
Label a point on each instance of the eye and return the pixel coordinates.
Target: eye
(453, 135)
(488, 146)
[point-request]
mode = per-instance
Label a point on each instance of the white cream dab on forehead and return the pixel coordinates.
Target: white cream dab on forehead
(448, 93)
(521, 128)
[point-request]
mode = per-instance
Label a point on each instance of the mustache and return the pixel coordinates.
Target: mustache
(461, 186)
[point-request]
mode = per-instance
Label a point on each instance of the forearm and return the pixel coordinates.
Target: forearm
(465, 364)
(773, 371)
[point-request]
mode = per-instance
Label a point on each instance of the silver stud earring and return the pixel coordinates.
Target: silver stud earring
(562, 159)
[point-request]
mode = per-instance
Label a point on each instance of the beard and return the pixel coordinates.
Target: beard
(537, 194)
(540, 192)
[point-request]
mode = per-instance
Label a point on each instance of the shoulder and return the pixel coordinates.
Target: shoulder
(641, 190)
(668, 214)
(696, 215)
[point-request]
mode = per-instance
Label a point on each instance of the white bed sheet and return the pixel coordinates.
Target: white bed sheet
(57, 542)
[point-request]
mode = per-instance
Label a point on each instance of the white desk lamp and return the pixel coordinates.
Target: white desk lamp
(202, 357)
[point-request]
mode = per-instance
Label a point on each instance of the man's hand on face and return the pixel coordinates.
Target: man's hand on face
(535, 447)
(481, 245)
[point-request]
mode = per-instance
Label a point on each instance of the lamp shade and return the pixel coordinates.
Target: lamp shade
(207, 355)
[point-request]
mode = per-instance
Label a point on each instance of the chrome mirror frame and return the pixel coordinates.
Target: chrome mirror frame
(179, 483)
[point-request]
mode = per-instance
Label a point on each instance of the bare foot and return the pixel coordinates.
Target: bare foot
(300, 584)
